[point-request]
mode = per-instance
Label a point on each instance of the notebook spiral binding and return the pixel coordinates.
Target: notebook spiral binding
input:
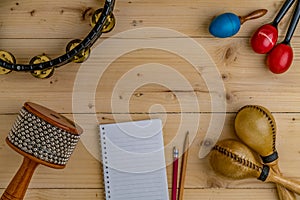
(105, 165)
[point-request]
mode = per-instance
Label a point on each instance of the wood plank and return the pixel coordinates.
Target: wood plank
(63, 194)
(218, 194)
(246, 80)
(30, 28)
(56, 20)
(192, 194)
(84, 171)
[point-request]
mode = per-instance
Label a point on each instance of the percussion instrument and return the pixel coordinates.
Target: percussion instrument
(264, 40)
(42, 136)
(233, 159)
(256, 127)
(281, 56)
(228, 24)
(77, 50)
(265, 37)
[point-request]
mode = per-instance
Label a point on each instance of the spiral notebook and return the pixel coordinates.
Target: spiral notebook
(133, 161)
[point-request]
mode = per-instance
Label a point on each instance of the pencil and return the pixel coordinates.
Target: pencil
(175, 173)
(183, 166)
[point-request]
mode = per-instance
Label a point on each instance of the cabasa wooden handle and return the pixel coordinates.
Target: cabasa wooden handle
(17, 188)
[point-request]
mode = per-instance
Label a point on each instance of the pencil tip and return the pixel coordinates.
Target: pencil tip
(187, 135)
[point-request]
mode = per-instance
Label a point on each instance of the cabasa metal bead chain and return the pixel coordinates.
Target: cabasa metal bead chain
(77, 50)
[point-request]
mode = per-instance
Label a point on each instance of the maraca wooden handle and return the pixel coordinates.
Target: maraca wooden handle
(17, 188)
(283, 193)
(285, 182)
(254, 15)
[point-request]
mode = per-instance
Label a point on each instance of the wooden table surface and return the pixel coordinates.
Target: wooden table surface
(150, 88)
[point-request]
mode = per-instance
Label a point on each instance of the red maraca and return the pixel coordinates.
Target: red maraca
(265, 38)
(281, 56)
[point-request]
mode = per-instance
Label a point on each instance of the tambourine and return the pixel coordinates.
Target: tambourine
(77, 50)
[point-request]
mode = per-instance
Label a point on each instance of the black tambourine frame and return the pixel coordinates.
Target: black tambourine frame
(86, 43)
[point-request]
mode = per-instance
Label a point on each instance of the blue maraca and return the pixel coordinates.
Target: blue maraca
(228, 24)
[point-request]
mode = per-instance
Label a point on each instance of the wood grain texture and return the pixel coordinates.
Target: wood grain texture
(95, 194)
(199, 173)
(61, 19)
(31, 27)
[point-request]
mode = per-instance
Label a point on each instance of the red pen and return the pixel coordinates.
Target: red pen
(175, 173)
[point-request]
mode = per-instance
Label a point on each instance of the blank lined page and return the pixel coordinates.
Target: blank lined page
(134, 161)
